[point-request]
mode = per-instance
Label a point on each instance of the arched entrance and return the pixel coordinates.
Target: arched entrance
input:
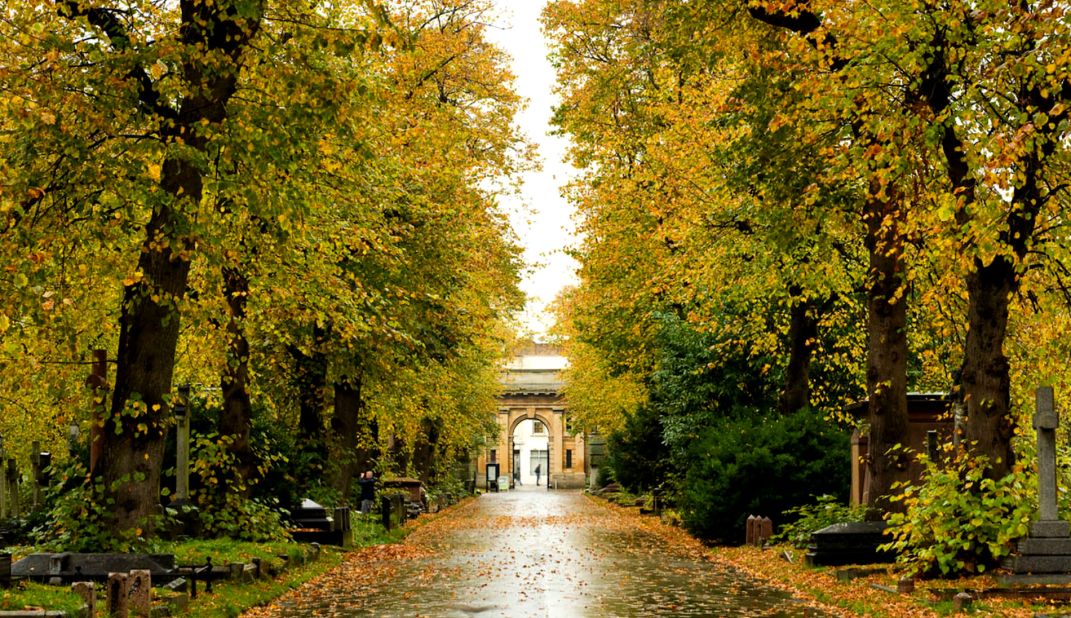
(530, 445)
(532, 391)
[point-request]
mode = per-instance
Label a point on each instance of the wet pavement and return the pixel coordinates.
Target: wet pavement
(537, 553)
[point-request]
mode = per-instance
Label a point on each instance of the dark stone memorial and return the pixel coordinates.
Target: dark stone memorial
(73, 567)
(312, 525)
(849, 543)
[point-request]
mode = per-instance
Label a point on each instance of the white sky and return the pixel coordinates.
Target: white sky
(541, 217)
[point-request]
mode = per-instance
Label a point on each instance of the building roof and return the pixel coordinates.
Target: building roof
(536, 370)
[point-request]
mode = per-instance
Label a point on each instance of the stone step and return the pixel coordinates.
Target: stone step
(1033, 546)
(1039, 564)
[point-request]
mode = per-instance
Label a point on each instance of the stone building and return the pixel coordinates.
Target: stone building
(533, 424)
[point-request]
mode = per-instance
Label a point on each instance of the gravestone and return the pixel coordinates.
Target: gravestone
(1047, 549)
(139, 591)
(71, 566)
(5, 570)
(88, 593)
(182, 447)
(11, 480)
(849, 543)
(118, 592)
(758, 530)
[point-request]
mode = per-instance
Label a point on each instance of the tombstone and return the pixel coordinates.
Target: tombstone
(139, 592)
(182, 447)
(849, 543)
(11, 479)
(758, 530)
(5, 570)
(56, 567)
(1047, 549)
(749, 530)
(393, 510)
(88, 593)
(35, 474)
(118, 594)
(765, 530)
(342, 533)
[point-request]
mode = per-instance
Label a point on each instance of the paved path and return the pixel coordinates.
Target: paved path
(533, 553)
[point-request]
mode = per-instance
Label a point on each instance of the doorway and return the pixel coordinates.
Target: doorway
(531, 441)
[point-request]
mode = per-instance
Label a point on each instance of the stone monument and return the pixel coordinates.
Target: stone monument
(1047, 549)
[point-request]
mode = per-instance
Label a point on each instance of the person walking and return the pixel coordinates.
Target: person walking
(538, 470)
(367, 483)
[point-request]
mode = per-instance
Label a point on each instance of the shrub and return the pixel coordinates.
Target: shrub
(224, 510)
(760, 466)
(78, 519)
(802, 521)
(958, 521)
(636, 455)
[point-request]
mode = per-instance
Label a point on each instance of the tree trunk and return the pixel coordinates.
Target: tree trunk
(354, 437)
(426, 449)
(132, 443)
(236, 419)
(133, 437)
(886, 374)
(310, 376)
(802, 331)
(986, 381)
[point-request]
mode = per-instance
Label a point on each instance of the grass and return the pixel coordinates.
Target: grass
(230, 599)
(28, 595)
(227, 598)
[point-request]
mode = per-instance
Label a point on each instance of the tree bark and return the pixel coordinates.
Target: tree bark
(986, 380)
(353, 436)
(426, 450)
(802, 331)
(310, 377)
(133, 436)
(886, 374)
(236, 419)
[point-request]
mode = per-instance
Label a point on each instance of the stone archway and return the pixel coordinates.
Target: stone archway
(532, 390)
(518, 466)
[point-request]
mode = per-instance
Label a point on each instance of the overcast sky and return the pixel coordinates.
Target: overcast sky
(541, 218)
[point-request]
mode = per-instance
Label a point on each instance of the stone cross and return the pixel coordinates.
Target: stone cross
(182, 446)
(1046, 421)
(35, 473)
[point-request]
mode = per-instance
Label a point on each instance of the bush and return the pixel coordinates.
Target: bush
(802, 521)
(958, 521)
(741, 467)
(223, 508)
(636, 455)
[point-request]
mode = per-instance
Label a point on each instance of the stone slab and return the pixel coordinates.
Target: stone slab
(1032, 546)
(849, 543)
(1054, 579)
(1041, 564)
(1054, 528)
(95, 566)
